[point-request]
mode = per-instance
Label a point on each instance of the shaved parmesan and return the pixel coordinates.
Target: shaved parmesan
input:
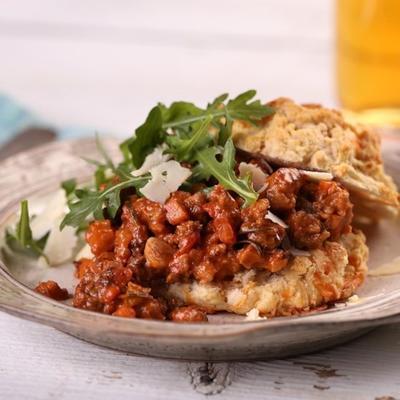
(272, 217)
(353, 299)
(299, 253)
(56, 207)
(152, 160)
(291, 174)
(42, 262)
(85, 252)
(262, 188)
(258, 176)
(60, 245)
(254, 315)
(317, 176)
(165, 179)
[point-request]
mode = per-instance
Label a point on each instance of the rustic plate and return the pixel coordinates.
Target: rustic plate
(37, 173)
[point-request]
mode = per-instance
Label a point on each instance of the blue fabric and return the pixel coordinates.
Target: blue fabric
(14, 118)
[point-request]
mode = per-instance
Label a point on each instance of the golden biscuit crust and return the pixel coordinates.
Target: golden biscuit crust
(313, 137)
(327, 275)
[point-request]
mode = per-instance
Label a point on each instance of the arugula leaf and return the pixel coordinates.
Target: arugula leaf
(224, 172)
(178, 110)
(146, 138)
(100, 177)
(34, 250)
(237, 108)
(191, 134)
(224, 132)
(152, 132)
(24, 232)
(241, 108)
(69, 186)
(91, 202)
(81, 209)
(103, 153)
(22, 241)
(219, 114)
(123, 171)
(185, 119)
(183, 148)
(91, 161)
(217, 101)
(114, 202)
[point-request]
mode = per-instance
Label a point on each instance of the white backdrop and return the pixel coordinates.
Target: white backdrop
(104, 63)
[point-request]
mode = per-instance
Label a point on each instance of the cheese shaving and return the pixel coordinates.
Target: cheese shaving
(85, 252)
(166, 178)
(353, 299)
(60, 245)
(55, 208)
(262, 188)
(42, 262)
(258, 176)
(152, 160)
(254, 315)
(272, 217)
(317, 176)
(299, 253)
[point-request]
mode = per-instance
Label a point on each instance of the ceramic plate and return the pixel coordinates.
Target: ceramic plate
(38, 173)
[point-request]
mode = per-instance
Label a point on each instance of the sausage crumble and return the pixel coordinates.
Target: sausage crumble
(204, 236)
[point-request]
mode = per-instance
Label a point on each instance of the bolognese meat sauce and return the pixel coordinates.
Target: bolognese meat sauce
(52, 290)
(206, 236)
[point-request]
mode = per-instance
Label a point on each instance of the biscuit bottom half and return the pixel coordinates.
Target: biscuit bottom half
(326, 275)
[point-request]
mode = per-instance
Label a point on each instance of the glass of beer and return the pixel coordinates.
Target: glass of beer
(368, 59)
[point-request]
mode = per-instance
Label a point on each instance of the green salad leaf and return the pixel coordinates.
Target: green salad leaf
(241, 107)
(224, 172)
(198, 137)
(183, 147)
(146, 138)
(69, 186)
(91, 201)
(24, 232)
(22, 241)
(107, 159)
(184, 119)
(191, 134)
(178, 110)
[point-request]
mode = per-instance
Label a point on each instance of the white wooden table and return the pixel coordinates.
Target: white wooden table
(103, 64)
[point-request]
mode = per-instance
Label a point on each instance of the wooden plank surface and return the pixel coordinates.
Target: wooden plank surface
(40, 363)
(103, 64)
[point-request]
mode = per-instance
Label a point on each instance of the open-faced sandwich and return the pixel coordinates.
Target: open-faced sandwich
(238, 207)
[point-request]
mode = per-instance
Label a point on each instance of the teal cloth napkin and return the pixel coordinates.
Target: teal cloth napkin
(15, 117)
